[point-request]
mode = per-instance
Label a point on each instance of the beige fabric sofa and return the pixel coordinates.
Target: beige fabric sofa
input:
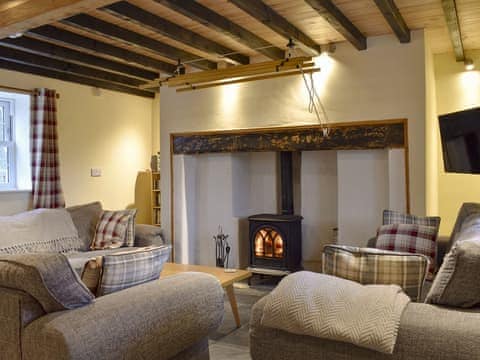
(427, 332)
(169, 318)
(165, 319)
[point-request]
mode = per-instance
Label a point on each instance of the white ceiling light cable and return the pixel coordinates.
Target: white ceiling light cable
(313, 97)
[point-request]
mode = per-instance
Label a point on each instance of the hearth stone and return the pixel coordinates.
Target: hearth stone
(275, 243)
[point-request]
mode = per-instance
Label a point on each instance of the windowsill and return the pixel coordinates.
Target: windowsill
(9, 191)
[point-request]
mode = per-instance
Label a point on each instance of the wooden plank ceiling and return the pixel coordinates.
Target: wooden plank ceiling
(122, 45)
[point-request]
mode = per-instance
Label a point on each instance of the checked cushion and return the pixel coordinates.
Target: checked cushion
(410, 238)
(370, 266)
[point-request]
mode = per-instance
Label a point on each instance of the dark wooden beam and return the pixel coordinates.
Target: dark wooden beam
(19, 16)
(265, 14)
(29, 69)
(63, 37)
(216, 22)
(104, 28)
(346, 136)
(63, 66)
(167, 28)
(450, 11)
(395, 19)
(62, 53)
(339, 22)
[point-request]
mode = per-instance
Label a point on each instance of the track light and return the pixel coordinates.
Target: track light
(180, 70)
(469, 65)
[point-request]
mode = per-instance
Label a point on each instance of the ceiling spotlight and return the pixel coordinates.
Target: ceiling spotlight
(14, 36)
(469, 65)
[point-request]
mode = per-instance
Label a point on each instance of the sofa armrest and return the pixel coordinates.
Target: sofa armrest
(17, 310)
(156, 320)
(148, 235)
(372, 242)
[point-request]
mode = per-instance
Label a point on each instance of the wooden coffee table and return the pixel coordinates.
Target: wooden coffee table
(226, 279)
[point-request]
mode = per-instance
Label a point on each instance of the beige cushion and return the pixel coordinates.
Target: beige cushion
(47, 277)
(457, 282)
(373, 266)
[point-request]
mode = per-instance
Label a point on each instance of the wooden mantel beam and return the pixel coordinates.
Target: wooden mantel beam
(17, 16)
(339, 22)
(395, 19)
(266, 15)
(450, 11)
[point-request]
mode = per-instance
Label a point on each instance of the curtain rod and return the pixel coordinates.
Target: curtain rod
(22, 91)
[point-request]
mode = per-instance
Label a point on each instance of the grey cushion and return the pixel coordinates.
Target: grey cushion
(147, 235)
(457, 284)
(47, 277)
(85, 218)
(466, 211)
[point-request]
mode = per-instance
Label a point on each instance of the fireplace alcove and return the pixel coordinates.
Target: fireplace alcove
(207, 150)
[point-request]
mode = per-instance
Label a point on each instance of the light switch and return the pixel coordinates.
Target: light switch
(95, 172)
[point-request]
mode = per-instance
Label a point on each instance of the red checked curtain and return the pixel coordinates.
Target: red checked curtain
(46, 187)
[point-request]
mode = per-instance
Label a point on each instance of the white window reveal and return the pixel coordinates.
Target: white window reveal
(7, 145)
(15, 172)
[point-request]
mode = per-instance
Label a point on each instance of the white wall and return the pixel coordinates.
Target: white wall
(319, 204)
(456, 89)
(363, 193)
(384, 82)
(112, 131)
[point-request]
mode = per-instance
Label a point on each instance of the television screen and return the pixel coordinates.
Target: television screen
(460, 133)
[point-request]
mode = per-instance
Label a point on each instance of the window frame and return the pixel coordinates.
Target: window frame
(11, 148)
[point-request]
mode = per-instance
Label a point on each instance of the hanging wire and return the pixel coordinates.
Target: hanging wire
(313, 97)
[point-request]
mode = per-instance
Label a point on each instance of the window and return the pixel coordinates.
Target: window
(15, 172)
(7, 145)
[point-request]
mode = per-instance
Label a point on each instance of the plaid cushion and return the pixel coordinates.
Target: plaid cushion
(130, 234)
(111, 230)
(127, 269)
(396, 217)
(372, 266)
(410, 238)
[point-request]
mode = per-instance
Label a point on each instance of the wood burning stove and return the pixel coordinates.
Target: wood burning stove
(276, 240)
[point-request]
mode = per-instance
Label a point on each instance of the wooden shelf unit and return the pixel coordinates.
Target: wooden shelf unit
(156, 197)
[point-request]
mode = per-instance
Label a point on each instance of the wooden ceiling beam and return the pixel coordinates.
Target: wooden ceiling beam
(35, 70)
(62, 53)
(19, 16)
(104, 28)
(216, 22)
(339, 22)
(266, 15)
(24, 57)
(395, 19)
(450, 11)
(144, 18)
(64, 37)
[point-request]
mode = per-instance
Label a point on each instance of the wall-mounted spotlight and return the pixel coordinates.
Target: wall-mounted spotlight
(469, 65)
(16, 35)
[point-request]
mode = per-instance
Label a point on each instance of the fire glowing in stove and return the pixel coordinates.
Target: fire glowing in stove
(268, 243)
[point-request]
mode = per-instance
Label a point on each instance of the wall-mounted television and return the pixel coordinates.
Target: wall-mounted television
(460, 133)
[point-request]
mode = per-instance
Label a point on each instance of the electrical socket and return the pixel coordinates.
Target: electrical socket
(95, 172)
